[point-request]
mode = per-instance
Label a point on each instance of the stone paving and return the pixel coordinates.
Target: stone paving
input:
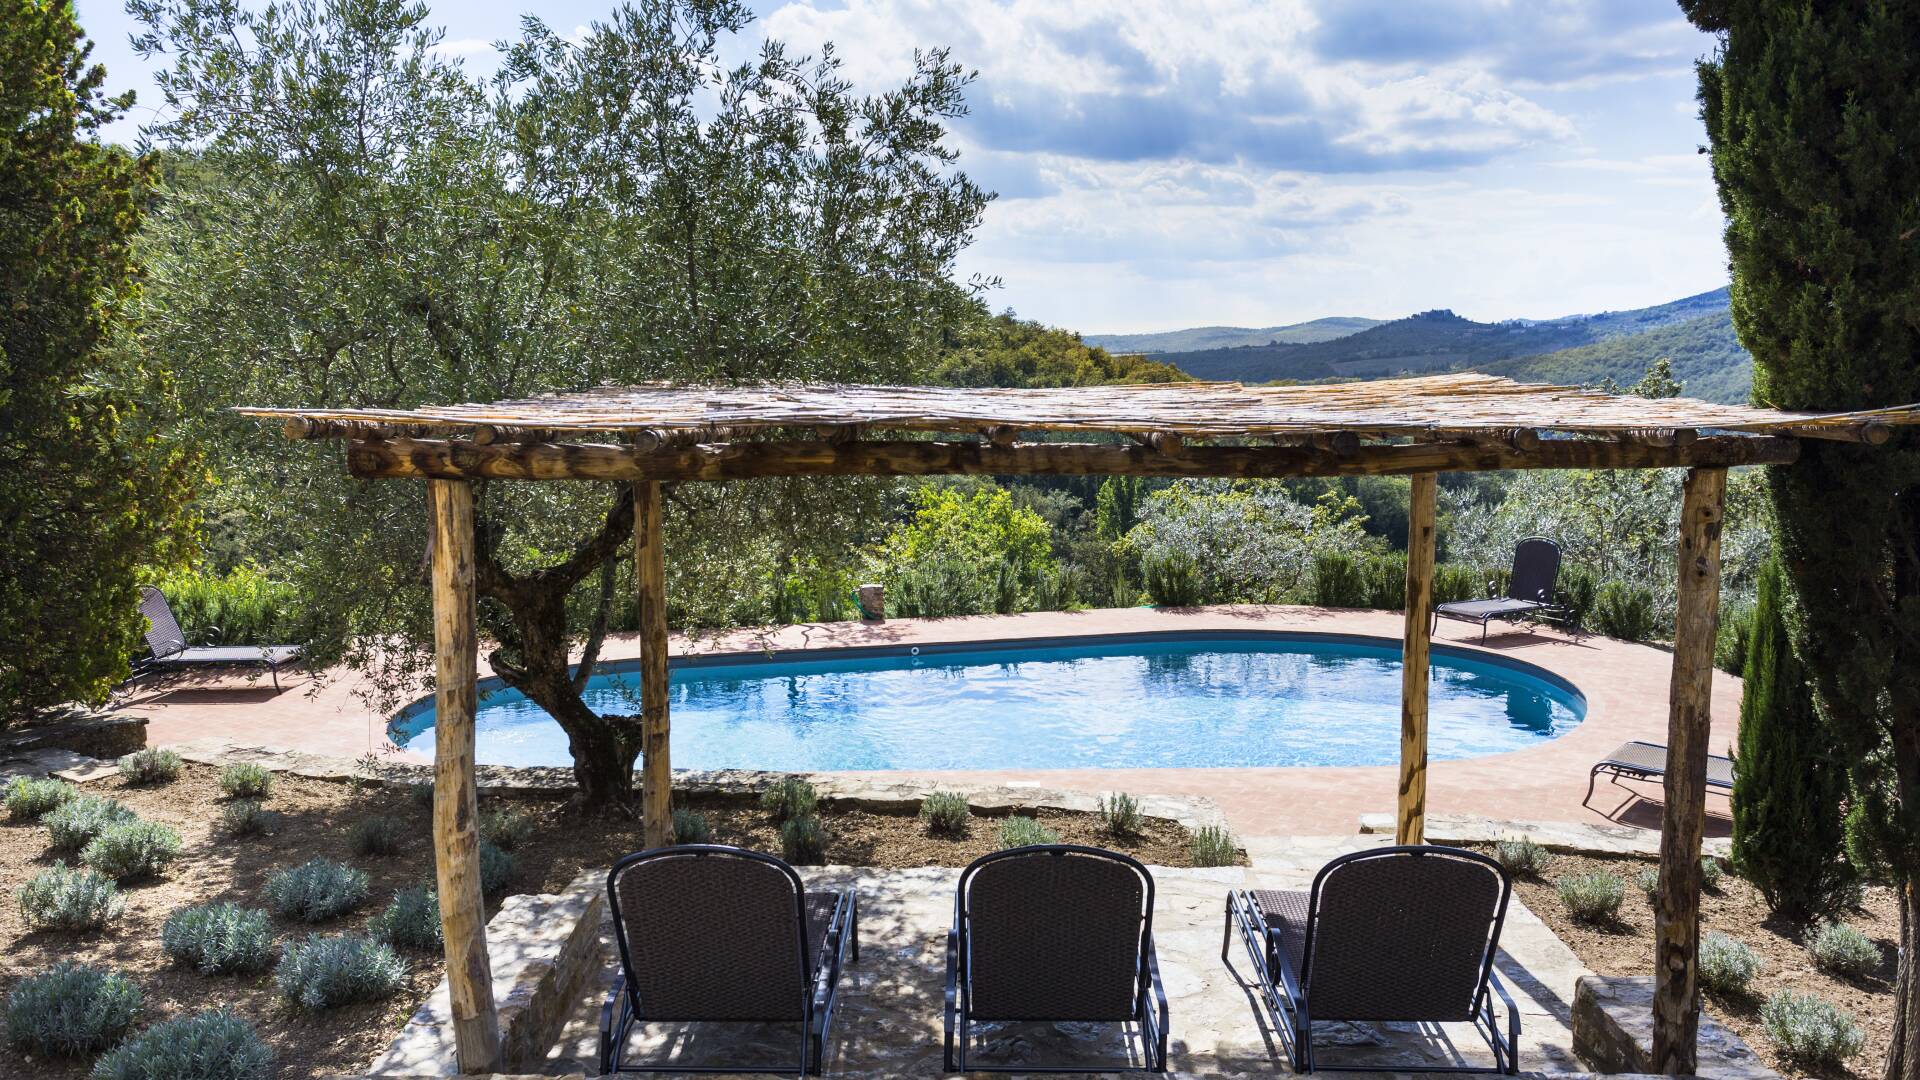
(890, 1019)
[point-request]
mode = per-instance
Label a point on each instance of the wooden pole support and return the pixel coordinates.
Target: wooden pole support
(456, 808)
(1415, 644)
(650, 586)
(1676, 993)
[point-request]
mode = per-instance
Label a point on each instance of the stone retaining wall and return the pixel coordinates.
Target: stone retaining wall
(1613, 1032)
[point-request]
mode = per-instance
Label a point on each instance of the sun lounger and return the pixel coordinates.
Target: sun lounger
(169, 647)
(1530, 588)
(1648, 761)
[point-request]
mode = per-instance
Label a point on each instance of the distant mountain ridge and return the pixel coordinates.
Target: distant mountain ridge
(1696, 331)
(1226, 337)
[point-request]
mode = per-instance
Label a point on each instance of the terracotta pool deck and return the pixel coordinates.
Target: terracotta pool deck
(1626, 687)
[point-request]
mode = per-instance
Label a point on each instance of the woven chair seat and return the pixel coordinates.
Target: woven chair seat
(1287, 913)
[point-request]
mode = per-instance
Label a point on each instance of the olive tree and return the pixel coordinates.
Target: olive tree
(365, 223)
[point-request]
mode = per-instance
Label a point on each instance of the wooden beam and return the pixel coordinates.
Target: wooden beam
(418, 458)
(1676, 996)
(650, 587)
(456, 808)
(1415, 642)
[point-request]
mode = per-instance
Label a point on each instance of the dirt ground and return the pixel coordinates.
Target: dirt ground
(1737, 909)
(315, 818)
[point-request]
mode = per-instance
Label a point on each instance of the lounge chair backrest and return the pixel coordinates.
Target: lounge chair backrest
(1403, 933)
(1536, 570)
(708, 932)
(1055, 932)
(164, 637)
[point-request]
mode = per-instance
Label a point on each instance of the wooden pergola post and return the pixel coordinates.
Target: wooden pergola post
(650, 586)
(1411, 827)
(456, 807)
(1676, 996)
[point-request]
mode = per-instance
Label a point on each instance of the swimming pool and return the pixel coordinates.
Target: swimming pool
(1180, 700)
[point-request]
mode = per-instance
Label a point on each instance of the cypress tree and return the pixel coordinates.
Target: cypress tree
(1790, 786)
(1812, 112)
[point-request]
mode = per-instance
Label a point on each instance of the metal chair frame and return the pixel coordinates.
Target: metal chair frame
(623, 1008)
(1542, 605)
(1150, 996)
(1288, 1004)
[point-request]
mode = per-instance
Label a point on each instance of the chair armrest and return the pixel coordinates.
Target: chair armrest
(609, 1022)
(1153, 979)
(1513, 1011)
(1283, 965)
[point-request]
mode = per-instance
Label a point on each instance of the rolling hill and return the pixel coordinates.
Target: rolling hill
(1707, 359)
(1223, 337)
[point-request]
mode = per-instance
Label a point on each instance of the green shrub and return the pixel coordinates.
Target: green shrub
(31, 798)
(326, 972)
(150, 766)
(212, 1045)
(246, 817)
(1574, 592)
(690, 827)
(1522, 857)
(241, 608)
(377, 835)
(219, 939)
(1120, 816)
(1727, 965)
(1809, 1029)
(1453, 582)
(509, 828)
(1338, 581)
(81, 819)
(946, 813)
(420, 794)
(410, 921)
(803, 840)
(1593, 896)
(1172, 580)
(1017, 831)
(792, 797)
(131, 850)
(1711, 873)
(496, 868)
(246, 781)
(1844, 951)
(71, 1010)
(1385, 577)
(1730, 643)
(1211, 845)
(316, 890)
(70, 899)
(1648, 879)
(1059, 590)
(1623, 611)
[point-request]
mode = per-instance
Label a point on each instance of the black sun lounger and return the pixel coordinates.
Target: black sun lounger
(169, 647)
(1395, 934)
(710, 933)
(1648, 761)
(1530, 588)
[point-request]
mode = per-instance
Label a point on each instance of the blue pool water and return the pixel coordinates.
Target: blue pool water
(1185, 701)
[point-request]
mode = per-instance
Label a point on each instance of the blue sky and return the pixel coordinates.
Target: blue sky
(1168, 163)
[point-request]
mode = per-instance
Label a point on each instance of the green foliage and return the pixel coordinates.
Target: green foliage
(210, 1045)
(803, 840)
(324, 972)
(1809, 1029)
(508, 828)
(420, 794)
(1116, 506)
(1843, 951)
(496, 868)
(1733, 638)
(1337, 582)
(1711, 873)
(150, 766)
(946, 813)
(410, 921)
(1004, 350)
(241, 607)
(1790, 791)
(789, 798)
(987, 553)
(1592, 896)
(690, 827)
(1522, 857)
(1648, 880)
(82, 818)
(1172, 579)
(1727, 965)
(71, 1010)
(246, 817)
(1018, 831)
(316, 890)
(1623, 611)
(1215, 541)
(90, 492)
(246, 781)
(1211, 845)
(31, 798)
(69, 899)
(130, 850)
(377, 835)
(219, 939)
(1121, 816)
(1706, 360)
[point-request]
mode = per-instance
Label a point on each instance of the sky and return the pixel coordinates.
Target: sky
(1170, 163)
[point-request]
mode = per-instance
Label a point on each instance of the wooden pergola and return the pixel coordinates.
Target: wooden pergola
(1416, 427)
